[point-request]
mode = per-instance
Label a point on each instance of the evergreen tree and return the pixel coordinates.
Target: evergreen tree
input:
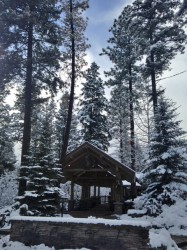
(166, 174)
(125, 51)
(73, 54)
(42, 195)
(60, 123)
(7, 157)
(144, 113)
(43, 135)
(119, 123)
(93, 108)
(31, 34)
(120, 127)
(75, 134)
(162, 34)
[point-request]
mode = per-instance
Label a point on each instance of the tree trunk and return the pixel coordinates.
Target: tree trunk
(153, 75)
(121, 141)
(153, 81)
(132, 139)
(27, 112)
(71, 98)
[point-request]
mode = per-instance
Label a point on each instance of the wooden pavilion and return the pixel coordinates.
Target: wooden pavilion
(89, 167)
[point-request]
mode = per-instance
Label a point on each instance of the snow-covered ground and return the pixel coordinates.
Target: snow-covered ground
(5, 244)
(172, 221)
(173, 218)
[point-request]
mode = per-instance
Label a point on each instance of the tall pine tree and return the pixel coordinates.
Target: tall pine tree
(60, 123)
(75, 45)
(31, 34)
(163, 36)
(119, 123)
(125, 51)
(93, 110)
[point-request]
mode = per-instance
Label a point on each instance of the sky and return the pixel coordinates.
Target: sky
(101, 15)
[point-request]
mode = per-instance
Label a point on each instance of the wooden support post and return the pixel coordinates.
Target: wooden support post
(121, 193)
(83, 192)
(118, 191)
(86, 192)
(118, 208)
(71, 202)
(113, 192)
(133, 190)
(94, 190)
(89, 191)
(72, 190)
(98, 194)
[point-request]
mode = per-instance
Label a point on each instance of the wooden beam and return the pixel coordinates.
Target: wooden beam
(100, 183)
(85, 170)
(96, 178)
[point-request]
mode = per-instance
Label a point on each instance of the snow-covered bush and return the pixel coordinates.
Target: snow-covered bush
(42, 195)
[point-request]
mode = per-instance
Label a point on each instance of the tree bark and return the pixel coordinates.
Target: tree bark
(27, 111)
(153, 81)
(131, 107)
(152, 64)
(132, 140)
(71, 99)
(121, 140)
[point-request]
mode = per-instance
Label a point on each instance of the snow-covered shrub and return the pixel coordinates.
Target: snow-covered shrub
(42, 195)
